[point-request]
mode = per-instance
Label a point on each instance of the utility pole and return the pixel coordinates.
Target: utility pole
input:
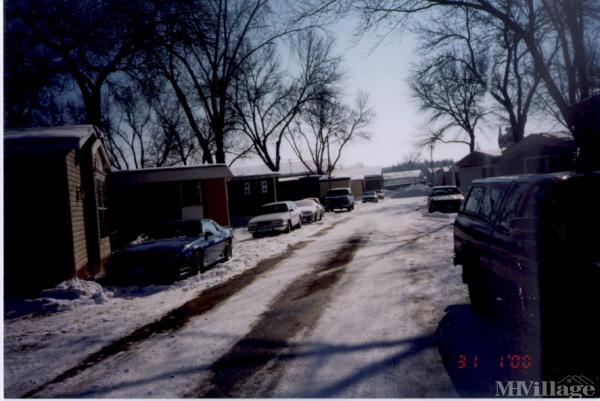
(431, 162)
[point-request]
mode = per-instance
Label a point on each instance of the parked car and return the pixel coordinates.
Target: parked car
(531, 242)
(444, 199)
(380, 194)
(275, 217)
(319, 206)
(370, 196)
(310, 210)
(339, 198)
(170, 251)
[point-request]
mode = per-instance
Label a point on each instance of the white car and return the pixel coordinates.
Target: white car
(310, 210)
(275, 217)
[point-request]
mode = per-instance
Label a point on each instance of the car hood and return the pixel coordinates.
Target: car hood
(269, 217)
(162, 246)
(447, 197)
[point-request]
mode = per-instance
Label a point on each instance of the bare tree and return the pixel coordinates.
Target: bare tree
(538, 24)
(86, 40)
(206, 53)
(511, 79)
(321, 133)
(146, 124)
(267, 100)
(452, 96)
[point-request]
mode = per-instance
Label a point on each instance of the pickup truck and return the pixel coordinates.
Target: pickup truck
(339, 198)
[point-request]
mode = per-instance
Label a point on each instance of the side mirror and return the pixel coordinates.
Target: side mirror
(207, 235)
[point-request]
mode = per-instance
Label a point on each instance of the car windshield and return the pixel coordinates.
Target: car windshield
(305, 202)
(274, 208)
(337, 192)
(175, 229)
(370, 193)
(445, 191)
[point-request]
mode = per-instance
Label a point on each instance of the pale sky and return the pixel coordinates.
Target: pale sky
(382, 71)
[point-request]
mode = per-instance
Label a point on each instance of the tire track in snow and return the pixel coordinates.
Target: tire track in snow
(179, 317)
(254, 362)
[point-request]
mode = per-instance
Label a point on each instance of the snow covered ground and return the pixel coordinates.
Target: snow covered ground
(80, 317)
(351, 313)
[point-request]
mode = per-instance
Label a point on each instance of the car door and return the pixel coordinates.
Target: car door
(514, 242)
(473, 227)
(294, 213)
(211, 251)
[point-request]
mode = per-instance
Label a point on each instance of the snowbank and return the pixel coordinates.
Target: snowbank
(65, 296)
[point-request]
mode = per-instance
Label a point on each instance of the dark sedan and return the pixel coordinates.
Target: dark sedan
(170, 251)
(444, 199)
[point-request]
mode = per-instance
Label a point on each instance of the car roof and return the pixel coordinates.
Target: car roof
(277, 203)
(564, 175)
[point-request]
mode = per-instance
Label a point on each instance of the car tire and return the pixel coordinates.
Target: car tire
(255, 235)
(289, 227)
(199, 268)
(431, 209)
(227, 252)
(479, 289)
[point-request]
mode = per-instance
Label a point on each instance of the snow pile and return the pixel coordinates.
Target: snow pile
(413, 190)
(67, 295)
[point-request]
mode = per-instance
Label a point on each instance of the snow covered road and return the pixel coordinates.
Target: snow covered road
(347, 308)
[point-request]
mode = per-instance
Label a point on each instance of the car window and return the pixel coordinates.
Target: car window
(305, 202)
(444, 191)
(274, 208)
(491, 201)
(531, 206)
(338, 192)
(473, 200)
(209, 227)
(511, 205)
(497, 194)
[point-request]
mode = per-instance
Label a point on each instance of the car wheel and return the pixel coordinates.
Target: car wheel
(227, 252)
(299, 223)
(289, 227)
(199, 268)
(479, 289)
(431, 209)
(255, 235)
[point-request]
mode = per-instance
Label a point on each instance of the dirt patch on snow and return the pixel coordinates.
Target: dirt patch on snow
(252, 365)
(177, 318)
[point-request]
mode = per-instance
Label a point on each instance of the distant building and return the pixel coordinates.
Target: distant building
(400, 179)
(296, 188)
(446, 176)
(144, 197)
(357, 185)
(327, 183)
(373, 182)
(534, 154)
(55, 206)
(247, 193)
(477, 164)
(540, 153)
